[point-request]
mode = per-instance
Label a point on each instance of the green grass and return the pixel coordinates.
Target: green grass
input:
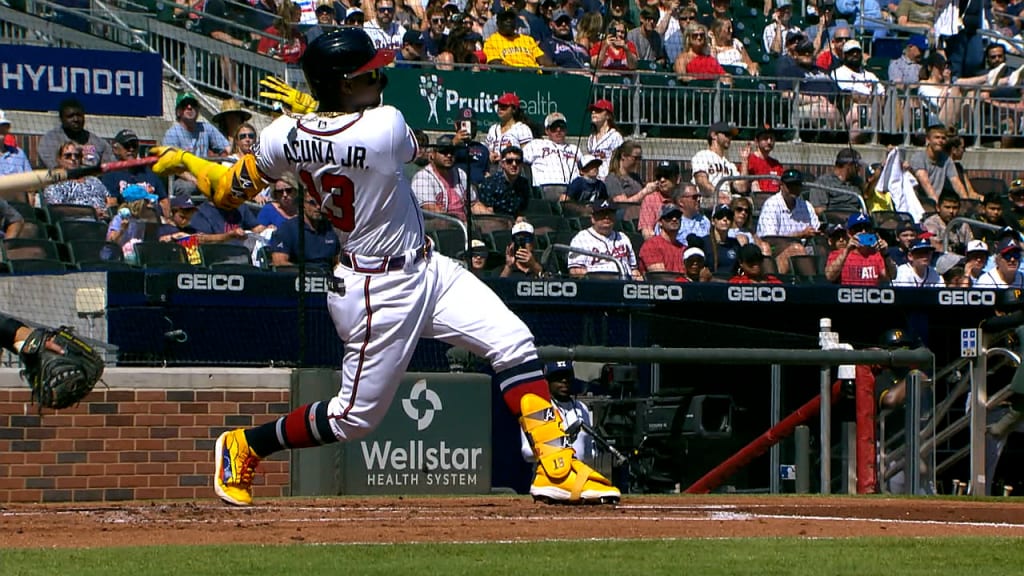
(767, 556)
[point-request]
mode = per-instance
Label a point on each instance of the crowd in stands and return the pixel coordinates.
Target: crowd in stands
(754, 221)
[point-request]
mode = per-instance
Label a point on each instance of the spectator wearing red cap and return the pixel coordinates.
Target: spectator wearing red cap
(604, 136)
(12, 159)
(663, 252)
(510, 129)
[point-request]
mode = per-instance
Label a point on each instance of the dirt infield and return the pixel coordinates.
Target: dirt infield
(398, 519)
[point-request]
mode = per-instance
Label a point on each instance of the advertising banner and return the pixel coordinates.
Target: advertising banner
(435, 439)
(122, 83)
(431, 99)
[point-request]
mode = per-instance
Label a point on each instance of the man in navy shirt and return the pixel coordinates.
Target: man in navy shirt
(210, 219)
(470, 155)
(126, 147)
(321, 243)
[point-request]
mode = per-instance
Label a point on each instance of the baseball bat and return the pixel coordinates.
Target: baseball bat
(36, 179)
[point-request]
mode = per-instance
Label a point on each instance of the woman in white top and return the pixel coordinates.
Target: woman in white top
(510, 129)
(604, 137)
(729, 51)
(938, 93)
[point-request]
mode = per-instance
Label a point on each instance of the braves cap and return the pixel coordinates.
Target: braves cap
(587, 160)
(182, 202)
(918, 40)
(354, 11)
(857, 219)
(668, 210)
(477, 246)
(693, 252)
(600, 205)
(976, 246)
(126, 137)
(508, 99)
(559, 15)
(921, 245)
(466, 114)
(721, 210)
(522, 228)
(835, 230)
(550, 119)
(1007, 246)
(413, 37)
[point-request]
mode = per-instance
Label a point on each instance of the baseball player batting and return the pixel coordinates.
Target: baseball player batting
(392, 288)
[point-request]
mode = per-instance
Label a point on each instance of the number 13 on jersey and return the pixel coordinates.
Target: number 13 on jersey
(337, 198)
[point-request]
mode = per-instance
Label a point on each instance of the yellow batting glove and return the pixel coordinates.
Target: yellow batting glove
(299, 102)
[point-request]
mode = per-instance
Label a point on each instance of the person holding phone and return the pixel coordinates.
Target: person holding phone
(470, 155)
(519, 258)
(864, 261)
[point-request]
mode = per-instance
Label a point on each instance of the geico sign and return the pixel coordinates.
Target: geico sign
(866, 296)
(967, 298)
(652, 292)
(757, 294)
(315, 284)
(549, 289)
(219, 282)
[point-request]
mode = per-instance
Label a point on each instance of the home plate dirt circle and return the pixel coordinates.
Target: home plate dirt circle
(500, 519)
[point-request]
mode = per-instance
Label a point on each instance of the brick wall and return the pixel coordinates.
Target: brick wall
(123, 444)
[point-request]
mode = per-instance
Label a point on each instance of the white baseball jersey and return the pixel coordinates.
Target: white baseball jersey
(572, 411)
(617, 245)
(603, 147)
(430, 188)
(992, 279)
(551, 163)
(518, 135)
(715, 166)
(389, 38)
(864, 82)
(776, 219)
(905, 276)
(394, 291)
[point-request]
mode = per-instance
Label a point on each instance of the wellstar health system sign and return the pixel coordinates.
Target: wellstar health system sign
(122, 83)
(435, 439)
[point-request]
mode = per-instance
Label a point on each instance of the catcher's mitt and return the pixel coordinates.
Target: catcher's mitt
(59, 380)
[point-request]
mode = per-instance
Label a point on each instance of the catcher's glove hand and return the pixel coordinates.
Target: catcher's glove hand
(59, 380)
(299, 102)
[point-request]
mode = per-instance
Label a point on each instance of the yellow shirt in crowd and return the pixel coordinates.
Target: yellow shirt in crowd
(522, 51)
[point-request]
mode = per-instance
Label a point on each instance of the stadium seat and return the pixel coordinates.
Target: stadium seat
(35, 266)
(94, 254)
(986, 185)
(14, 196)
(220, 254)
(29, 249)
(72, 230)
(58, 212)
(33, 229)
(450, 242)
(168, 255)
(487, 223)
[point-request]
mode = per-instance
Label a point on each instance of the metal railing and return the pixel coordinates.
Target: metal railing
(545, 257)
(955, 223)
(860, 199)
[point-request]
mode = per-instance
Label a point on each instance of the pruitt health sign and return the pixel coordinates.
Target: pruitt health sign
(435, 439)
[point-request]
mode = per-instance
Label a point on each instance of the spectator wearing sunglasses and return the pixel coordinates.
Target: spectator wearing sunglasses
(282, 204)
(672, 27)
(507, 192)
(383, 29)
(831, 57)
(324, 21)
(776, 31)
(87, 190)
(193, 136)
(563, 49)
(434, 37)
(442, 187)
(510, 48)
(72, 127)
(649, 43)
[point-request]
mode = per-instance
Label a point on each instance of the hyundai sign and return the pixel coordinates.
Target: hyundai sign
(122, 83)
